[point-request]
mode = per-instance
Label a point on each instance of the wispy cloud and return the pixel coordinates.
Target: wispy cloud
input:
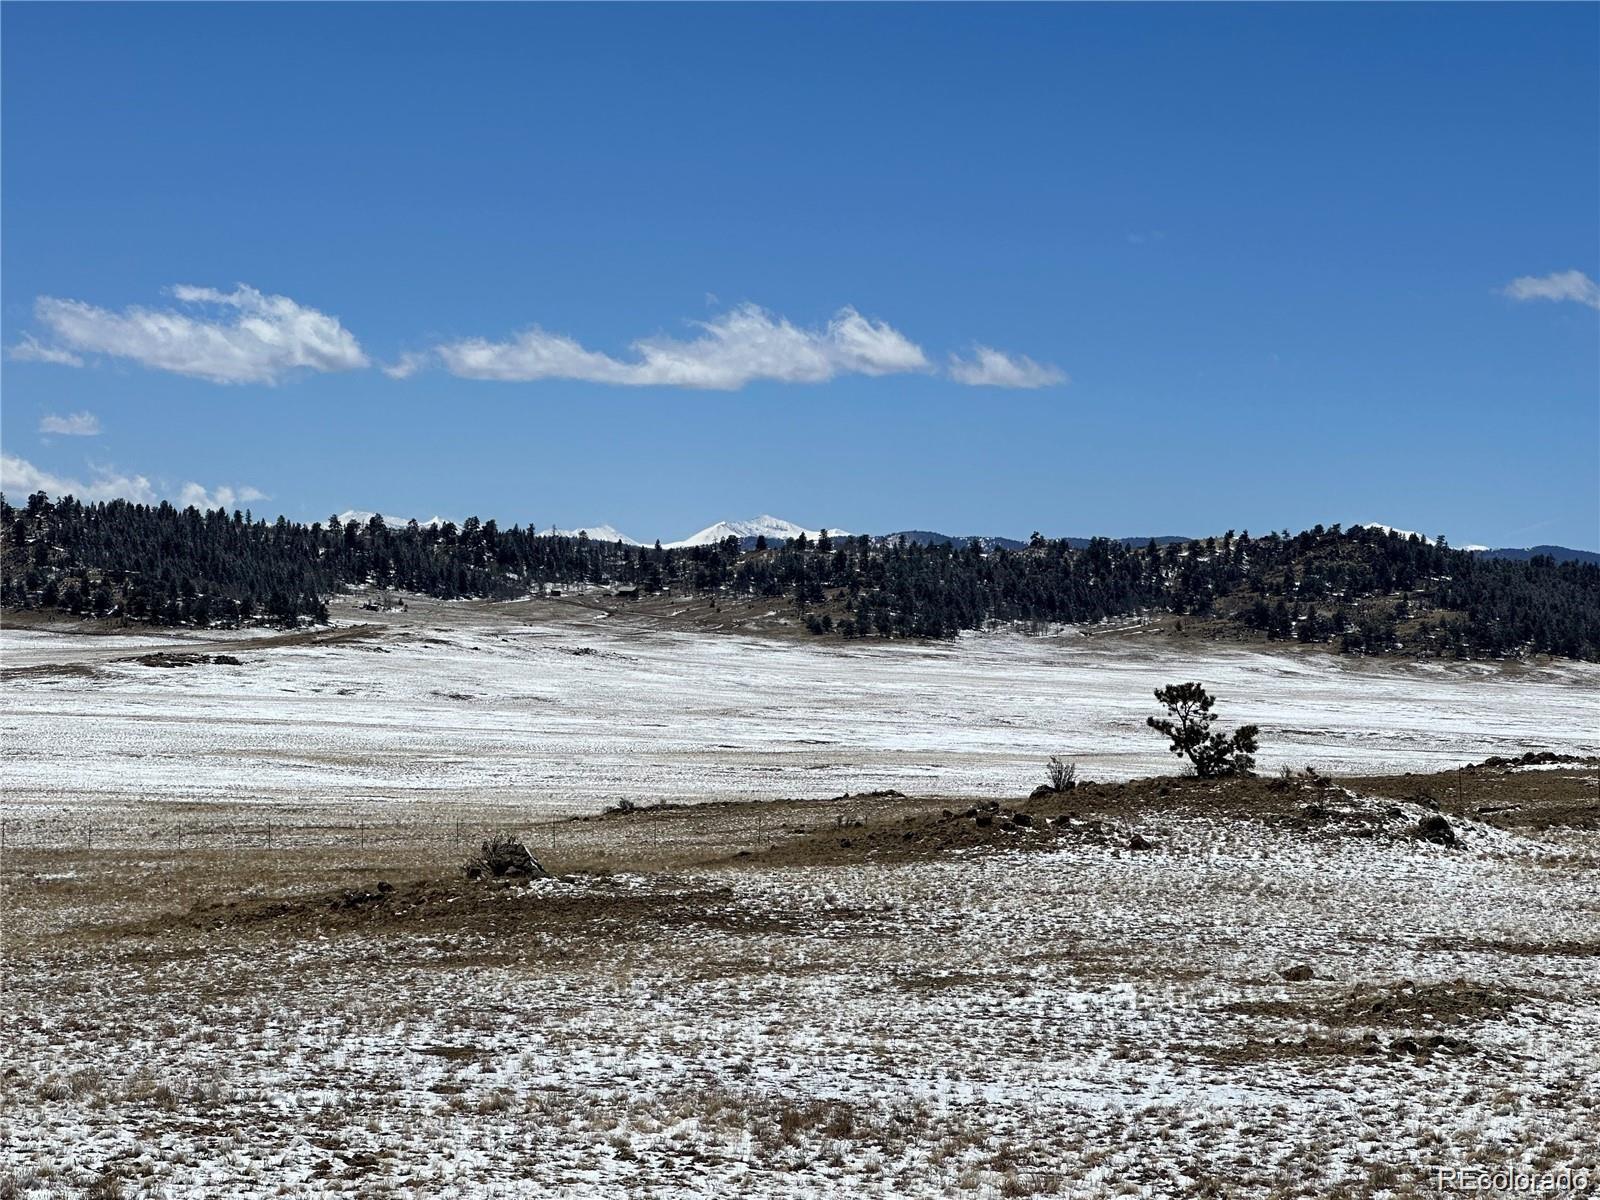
(745, 344)
(19, 477)
(989, 367)
(1573, 286)
(31, 349)
(79, 424)
(242, 336)
(406, 365)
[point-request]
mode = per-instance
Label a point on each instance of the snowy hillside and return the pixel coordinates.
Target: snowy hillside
(1407, 533)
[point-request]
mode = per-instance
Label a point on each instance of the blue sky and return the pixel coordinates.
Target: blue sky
(1243, 267)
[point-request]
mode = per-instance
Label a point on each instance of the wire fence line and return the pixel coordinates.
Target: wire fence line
(79, 835)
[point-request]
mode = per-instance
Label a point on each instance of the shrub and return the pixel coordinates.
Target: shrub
(504, 856)
(1063, 775)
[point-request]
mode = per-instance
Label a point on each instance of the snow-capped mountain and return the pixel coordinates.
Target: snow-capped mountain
(596, 533)
(362, 516)
(769, 527)
(1406, 533)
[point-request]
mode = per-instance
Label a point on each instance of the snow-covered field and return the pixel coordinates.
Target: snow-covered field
(1081, 1021)
(546, 708)
(1053, 1012)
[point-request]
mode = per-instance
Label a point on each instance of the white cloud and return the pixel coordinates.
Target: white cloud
(989, 367)
(240, 336)
(218, 497)
(745, 344)
(30, 349)
(244, 336)
(79, 424)
(20, 478)
(1558, 285)
(406, 366)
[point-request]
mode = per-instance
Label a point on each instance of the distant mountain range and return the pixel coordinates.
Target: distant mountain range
(361, 516)
(1559, 553)
(595, 533)
(776, 530)
(1519, 554)
(925, 537)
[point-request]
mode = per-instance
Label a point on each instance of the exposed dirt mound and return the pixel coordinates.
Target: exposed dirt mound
(1337, 1049)
(1456, 1002)
(497, 910)
(1531, 949)
(1403, 1021)
(1563, 792)
(1125, 816)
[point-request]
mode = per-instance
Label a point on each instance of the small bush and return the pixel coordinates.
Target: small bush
(54, 1088)
(1063, 775)
(15, 1184)
(503, 856)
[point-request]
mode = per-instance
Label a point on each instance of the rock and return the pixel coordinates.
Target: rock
(1043, 792)
(226, 660)
(985, 819)
(1021, 818)
(1299, 973)
(161, 658)
(1437, 830)
(1138, 842)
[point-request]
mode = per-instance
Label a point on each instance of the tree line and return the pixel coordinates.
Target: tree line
(1363, 589)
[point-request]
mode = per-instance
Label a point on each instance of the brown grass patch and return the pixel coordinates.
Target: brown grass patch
(1454, 1003)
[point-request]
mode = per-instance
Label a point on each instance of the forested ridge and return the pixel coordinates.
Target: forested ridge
(1363, 590)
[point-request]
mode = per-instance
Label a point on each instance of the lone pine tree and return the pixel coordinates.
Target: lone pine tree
(1188, 725)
